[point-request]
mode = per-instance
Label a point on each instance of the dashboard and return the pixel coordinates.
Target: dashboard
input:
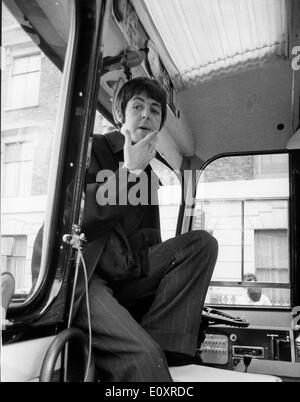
(242, 348)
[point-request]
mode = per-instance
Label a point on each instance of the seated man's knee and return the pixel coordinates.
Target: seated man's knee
(207, 239)
(213, 243)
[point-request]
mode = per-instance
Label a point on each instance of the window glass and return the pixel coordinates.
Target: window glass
(101, 125)
(267, 165)
(169, 198)
(24, 81)
(243, 202)
(30, 90)
(13, 259)
(17, 169)
(271, 255)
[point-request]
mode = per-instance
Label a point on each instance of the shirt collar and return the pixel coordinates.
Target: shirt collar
(115, 141)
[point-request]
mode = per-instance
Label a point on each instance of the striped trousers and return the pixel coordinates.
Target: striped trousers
(135, 321)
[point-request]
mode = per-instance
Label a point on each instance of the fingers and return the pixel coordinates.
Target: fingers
(144, 150)
(149, 143)
(127, 138)
(149, 139)
(153, 153)
(152, 146)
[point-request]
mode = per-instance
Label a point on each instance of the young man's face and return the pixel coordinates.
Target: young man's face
(143, 115)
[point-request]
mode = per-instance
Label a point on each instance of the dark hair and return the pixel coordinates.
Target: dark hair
(152, 88)
(250, 277)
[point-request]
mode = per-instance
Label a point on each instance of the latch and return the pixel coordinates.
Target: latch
(77, 239)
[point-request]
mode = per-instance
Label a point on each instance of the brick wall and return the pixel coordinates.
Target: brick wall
(230, 169)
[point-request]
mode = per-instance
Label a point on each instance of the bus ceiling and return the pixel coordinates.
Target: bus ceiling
(206, 39)
(226, 66)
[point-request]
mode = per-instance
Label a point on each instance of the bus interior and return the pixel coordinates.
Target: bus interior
(228, 161)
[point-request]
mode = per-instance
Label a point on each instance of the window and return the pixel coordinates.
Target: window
(248, 215)
(29, 142)
(101, 125)
(272, 261)
(268, 165)
(17, 169)
(24, 83)
(13, 255)
(169, 198)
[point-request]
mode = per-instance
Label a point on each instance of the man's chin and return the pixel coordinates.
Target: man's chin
(139, 135)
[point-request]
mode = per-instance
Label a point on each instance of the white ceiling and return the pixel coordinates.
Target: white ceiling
(207, 37)
(241, 112)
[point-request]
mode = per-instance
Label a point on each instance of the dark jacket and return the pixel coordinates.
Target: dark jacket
(118, 236)
(115, 253)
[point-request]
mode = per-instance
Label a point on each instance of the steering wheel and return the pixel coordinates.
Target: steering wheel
(55, 349)
(213, 316)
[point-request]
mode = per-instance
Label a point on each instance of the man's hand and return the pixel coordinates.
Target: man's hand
(138, 156)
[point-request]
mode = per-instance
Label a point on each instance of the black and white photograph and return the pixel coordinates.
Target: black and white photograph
(150, 194)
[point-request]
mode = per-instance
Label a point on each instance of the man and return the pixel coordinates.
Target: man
(146, 296)
(253, 296)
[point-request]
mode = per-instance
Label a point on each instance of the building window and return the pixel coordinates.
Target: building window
(13, 256)
(267, 166)
(272, 261)
(24, 83)
(17, 169)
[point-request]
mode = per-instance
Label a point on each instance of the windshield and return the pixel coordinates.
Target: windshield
(244, 202)
(31, 86)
